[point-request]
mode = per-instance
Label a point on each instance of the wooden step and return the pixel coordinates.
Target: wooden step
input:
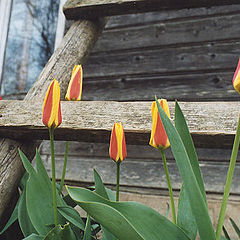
(82, 9)
(212, 124)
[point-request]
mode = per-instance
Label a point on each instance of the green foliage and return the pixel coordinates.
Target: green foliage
(126, 220)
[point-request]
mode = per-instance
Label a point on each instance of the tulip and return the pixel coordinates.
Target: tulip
(236, 78)
(159, 137)
(117, 148)
(52, 116)
(117, 151)
(74, 91)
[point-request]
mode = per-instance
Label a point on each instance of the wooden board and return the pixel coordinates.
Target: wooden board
(185, 87)
(79, 9)
(144, 153)
(164, 33)
(211, 124)
(138, 173)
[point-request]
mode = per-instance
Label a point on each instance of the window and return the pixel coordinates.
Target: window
(31, 32)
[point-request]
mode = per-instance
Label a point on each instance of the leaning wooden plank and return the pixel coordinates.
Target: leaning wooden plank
(74, 49)
(78, 9)
(212, 124)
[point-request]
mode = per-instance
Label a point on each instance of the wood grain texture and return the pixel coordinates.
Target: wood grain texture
(144, 153)
(162, 33)
(78, 9)
(211, 124)
(185, 87)
(74, 49)
(142, 174)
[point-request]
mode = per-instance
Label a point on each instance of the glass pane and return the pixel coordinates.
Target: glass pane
(30, 44)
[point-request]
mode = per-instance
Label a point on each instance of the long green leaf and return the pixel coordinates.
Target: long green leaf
(23, 218)
(87, 230)
(126, 220)
(197, 202)
(237, 230)
(185, 218)
(12, 219)
(184, 133)
(39, 196)
(103, 192)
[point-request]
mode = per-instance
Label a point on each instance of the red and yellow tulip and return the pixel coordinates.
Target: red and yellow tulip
(117, 149)
(74, 91)
(51, 107)
(159, 137)
(236, 78)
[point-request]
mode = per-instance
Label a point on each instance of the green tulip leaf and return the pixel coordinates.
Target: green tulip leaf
(33, 237)
(99, 186)
(237, 230)
(126, 220)
(61, 233)
(226, 233)
(12, 219)
(105, 193)
(72, 216)
(185, 218)
(23, 218)
(87, 230)
(184, 133)
(39, 196)
(197, 202)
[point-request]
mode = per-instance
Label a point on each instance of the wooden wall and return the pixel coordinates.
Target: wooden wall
(189, 55)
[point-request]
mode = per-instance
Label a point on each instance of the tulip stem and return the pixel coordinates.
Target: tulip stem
(118, 179)
(51, 133)
(228, 182)
(169, 186)
(64, 167)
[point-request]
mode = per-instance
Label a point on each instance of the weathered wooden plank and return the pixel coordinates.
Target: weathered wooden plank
(123, 21)
(141, 173)
(210, 57)
(162, 34)
(78, 9)
(211, 124)
(140, 152)
(74, 49)
(185, 87)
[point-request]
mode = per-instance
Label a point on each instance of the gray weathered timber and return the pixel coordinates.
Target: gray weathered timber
(78, 9)
(211, 123)
(131, 20)
(143, 174)
(186, 87)
(74, 49)
(170, 60)
(175, 32)
(134, 152)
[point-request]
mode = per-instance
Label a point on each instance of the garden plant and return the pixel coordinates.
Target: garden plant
(44, 212)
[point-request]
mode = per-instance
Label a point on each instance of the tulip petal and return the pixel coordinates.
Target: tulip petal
(51, 107)
(236, 78)
(113, 150)
(159, 137)
(74, 91)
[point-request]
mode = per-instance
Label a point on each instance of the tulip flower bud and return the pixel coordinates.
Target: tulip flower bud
(117, 149)
(159, 137)
(74, 91)
(236, 78)
(51, 107)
